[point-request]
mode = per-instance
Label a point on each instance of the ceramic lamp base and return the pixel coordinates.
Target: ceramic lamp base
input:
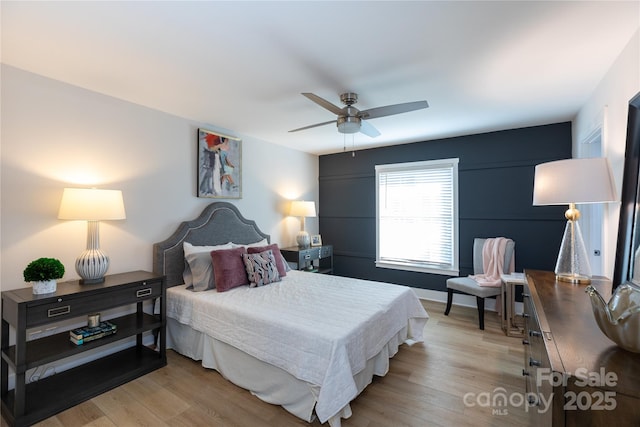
(91, 266)
(303, 239)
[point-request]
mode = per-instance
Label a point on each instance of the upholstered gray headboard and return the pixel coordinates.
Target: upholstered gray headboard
(219, 223)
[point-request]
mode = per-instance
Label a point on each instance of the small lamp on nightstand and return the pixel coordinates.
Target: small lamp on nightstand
(567, 182)
(92, 205)
(303, 209)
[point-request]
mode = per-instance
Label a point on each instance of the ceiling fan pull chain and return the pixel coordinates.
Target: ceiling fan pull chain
(353, 146)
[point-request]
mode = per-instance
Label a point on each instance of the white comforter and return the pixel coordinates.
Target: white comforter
(320, 328)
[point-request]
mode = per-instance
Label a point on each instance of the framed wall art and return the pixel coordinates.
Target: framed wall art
(219, 165)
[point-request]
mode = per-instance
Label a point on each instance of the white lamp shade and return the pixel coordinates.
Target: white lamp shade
(303, 208)
(91, 204)
(574, 181)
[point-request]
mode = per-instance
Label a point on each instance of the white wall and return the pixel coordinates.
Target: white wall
(607, 107)
(55, 135)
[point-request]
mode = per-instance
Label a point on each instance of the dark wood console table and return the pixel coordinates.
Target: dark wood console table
(28, 403)
(569, 358)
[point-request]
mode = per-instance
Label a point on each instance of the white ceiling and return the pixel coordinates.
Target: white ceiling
(241, 66)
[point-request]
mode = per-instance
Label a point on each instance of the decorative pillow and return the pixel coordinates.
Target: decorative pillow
(228, 268)
(280, 262)
(261, 268)
(198, 270)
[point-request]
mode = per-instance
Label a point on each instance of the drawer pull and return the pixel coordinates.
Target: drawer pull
(535, 334)
(525, 342)
(59, 311)
(525, 373)
(143, 292)
(534, 362)
(525, 295)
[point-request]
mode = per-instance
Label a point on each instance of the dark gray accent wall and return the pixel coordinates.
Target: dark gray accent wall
(495, 173)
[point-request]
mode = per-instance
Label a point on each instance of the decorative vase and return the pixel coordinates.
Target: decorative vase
(619, 319)
(44, 287)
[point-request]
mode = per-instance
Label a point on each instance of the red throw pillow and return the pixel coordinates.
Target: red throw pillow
(228, 268)
(280, 262)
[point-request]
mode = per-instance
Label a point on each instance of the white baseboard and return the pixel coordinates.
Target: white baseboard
(460, 299)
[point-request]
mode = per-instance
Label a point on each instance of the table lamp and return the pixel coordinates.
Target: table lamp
(569, 182)
(91, 205)
(303, 209)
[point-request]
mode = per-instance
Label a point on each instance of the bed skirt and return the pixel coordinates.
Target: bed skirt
(270, 383)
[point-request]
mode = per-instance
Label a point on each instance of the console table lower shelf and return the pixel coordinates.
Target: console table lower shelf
(51, 395)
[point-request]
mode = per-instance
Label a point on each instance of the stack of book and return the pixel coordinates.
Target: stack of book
(86, 334)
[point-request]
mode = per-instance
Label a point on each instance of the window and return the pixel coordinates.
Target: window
(417, 216)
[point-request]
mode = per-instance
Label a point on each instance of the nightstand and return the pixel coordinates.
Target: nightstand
(28, 403)
(317, 259)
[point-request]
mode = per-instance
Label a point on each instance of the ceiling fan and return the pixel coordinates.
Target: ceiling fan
(352, 120)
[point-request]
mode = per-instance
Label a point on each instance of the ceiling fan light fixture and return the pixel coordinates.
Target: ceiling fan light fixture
(348, 124)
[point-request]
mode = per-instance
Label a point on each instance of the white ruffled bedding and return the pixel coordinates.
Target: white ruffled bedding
(321, 329)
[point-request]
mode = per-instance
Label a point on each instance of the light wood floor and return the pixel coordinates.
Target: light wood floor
(425, 386)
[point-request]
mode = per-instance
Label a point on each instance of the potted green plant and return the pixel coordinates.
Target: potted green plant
(43, 274)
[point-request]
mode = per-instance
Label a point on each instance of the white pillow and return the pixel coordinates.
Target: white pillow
(262, 242)
(198, 268)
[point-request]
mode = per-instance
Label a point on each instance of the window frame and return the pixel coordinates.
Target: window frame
(449, 270)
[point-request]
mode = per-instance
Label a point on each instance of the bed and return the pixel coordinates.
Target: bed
(308, 342)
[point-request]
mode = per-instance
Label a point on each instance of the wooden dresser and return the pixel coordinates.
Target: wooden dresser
(575, 375)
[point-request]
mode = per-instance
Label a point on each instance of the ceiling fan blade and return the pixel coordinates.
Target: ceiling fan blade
(390, 110)
(313, 126)
(323, 103)
(368, 129)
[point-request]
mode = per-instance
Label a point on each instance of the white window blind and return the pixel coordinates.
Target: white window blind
(417, 216)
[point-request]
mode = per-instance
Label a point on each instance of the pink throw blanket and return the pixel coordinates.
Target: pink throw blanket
(493, 262)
